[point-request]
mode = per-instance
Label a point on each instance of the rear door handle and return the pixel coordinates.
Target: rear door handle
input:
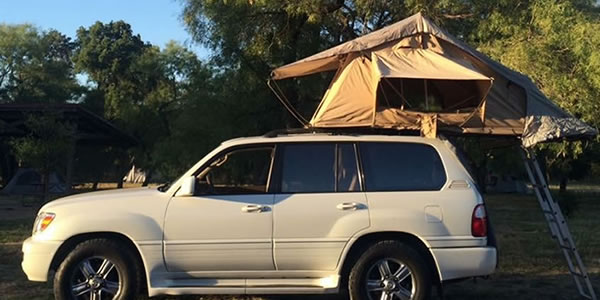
(252, 208)
(348, 206)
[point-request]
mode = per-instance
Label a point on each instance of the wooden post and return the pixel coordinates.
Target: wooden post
(69, 171)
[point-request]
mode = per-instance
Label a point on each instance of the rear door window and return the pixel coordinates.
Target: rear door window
(318, 168)
(401, 167)
(347, 169)
(308, 168)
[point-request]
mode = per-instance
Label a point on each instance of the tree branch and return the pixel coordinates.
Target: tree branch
(457, 16)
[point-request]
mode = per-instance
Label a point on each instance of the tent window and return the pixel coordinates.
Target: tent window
(429, 95)
(401, 167)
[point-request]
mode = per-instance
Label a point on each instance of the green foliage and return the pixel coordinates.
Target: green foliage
(553, 41)
(36, 66)
(180, 107)
(48, 143)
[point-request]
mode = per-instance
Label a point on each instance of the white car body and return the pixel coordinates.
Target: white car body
(297, 243)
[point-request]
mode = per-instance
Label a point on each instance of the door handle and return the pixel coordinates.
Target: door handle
(348, 206)
(253, 208)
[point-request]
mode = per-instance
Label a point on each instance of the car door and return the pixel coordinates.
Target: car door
(319, 205)
(227, 224)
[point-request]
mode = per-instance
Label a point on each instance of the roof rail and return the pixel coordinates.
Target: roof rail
(341, 131)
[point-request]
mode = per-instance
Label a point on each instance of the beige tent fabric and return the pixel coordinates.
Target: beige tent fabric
(422, 64)
(514, 105)
(407, 27)
(349, 100)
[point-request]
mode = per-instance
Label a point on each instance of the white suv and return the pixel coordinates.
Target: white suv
(381, 217)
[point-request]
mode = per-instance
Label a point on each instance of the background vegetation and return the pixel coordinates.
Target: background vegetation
(179, 106)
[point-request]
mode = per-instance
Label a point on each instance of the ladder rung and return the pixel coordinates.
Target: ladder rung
(537, 185)
(573, 249)
(586, 296)
(560, 232)
(578, 274)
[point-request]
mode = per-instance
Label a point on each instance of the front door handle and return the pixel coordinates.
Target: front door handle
(253, 208)
(348, 206)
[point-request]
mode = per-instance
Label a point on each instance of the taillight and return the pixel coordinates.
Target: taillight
(479, 221)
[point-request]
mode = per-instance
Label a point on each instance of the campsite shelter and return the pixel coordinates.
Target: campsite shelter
(91, 130)
(413, 75)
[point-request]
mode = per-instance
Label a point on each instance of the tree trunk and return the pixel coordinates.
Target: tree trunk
(95, 185)
(69, 171)
(563, 184)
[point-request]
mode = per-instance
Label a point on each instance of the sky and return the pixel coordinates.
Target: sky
(157, 21)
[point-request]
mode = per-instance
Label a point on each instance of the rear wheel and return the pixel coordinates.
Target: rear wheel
(390, 270)
(98, 269)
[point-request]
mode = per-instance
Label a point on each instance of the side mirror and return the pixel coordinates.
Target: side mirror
(187, 188)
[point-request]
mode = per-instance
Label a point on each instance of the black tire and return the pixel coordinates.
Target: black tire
(394, 254)
(94, 253)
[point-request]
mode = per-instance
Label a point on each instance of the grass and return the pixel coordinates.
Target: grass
(531, 265)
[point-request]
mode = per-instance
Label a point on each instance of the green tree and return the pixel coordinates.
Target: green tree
(552, 41)
(143, 89)
(46, 147)
(36, 66)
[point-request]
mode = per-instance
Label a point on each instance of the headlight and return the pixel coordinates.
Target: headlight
(42, 221)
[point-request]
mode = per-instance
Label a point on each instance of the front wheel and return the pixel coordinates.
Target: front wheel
(98, 269)
(390, 270)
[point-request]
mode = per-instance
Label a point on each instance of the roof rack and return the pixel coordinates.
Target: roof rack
(341, 131)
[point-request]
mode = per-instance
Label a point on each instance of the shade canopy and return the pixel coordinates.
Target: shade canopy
(411, 72)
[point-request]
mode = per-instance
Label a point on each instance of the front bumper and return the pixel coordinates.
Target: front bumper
(454, 263)
(37, 257)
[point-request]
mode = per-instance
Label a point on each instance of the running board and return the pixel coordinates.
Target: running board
(205, 286)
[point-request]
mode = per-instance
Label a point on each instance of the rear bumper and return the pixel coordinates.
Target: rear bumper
(454, 263)
(37, 256)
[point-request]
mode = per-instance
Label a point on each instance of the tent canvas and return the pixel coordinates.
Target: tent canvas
(413, 73)
(29, 182)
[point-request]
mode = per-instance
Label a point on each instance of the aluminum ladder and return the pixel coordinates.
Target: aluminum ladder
(558, 225)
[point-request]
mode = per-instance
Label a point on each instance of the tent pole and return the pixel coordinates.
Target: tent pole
(402, 92)
(281, 97)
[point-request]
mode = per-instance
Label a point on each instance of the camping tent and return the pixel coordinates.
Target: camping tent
(29, 182)
(414, 75)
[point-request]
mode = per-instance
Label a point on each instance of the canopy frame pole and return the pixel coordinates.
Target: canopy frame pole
(401, 94)
(286, 103)
(557, 224)
(480, 108)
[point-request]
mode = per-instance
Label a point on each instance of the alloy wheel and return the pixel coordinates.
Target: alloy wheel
(389, 279)
(96, 278)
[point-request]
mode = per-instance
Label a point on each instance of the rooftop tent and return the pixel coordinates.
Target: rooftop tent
(394, 87)
(413, 73)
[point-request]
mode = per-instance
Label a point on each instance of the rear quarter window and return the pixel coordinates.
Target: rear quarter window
(401, 167)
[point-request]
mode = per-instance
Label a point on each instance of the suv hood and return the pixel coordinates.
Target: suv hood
(107, 197)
